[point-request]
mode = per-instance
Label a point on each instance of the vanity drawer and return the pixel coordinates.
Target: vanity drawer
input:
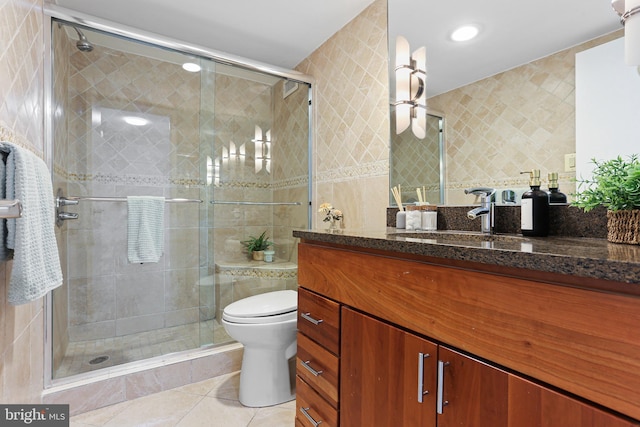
(319, 319)
(318, 368)
(314, 406)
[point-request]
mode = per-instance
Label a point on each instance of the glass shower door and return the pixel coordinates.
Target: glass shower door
(127, 124)
(257, 181)
(228, 150)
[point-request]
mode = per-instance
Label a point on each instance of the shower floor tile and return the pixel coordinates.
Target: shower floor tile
(131, 348)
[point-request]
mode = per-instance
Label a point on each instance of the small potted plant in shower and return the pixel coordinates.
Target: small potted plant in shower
(257, 245)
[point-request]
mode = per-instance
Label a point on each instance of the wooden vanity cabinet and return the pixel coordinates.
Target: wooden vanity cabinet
(491, 341)
(390, 377)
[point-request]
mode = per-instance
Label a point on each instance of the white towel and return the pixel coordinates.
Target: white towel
(36, 264)
(145, 228)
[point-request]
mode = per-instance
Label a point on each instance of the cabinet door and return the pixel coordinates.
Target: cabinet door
(532, 405)
(473, 393)
(379, 381)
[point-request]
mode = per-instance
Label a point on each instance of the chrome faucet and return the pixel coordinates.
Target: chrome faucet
(485, 210)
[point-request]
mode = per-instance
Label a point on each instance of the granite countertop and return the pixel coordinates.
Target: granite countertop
(576, 256)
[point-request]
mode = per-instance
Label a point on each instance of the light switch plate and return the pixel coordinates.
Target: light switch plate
(570, 162)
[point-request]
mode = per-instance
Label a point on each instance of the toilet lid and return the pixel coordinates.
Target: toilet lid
(267, 304)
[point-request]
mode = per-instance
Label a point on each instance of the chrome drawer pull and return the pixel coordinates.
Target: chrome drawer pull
(309, 417)
(421, 391)
(306, 316)
(441, 403)
(310, 369)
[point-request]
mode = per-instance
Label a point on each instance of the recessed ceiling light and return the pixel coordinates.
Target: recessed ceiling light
(464, 33)
(191, 67)
(135, 121)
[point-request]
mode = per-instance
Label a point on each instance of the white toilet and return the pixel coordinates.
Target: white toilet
(266, 325)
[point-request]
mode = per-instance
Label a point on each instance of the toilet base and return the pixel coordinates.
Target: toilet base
(261, 387)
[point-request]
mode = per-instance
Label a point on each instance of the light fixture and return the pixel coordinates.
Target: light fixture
(191, 67)
(210, 170)
(627, 9)
(411, 92)
(135, 121)
(464, 33)
(263, 150)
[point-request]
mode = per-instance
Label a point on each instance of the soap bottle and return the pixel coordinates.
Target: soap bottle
(534, 209)
(555, 196)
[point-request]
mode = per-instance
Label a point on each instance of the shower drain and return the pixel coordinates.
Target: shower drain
(98, 359)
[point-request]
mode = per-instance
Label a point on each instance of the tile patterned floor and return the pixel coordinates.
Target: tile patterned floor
(134, 347)
(211, 403)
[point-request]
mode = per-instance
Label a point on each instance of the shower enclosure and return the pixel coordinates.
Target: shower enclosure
(226, 146)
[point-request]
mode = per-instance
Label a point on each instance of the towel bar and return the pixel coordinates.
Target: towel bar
(73, 200)
(10, 209)
(62, 201)
(241, 202)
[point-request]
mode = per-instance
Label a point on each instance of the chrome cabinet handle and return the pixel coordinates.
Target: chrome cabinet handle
(440, 402)
(310, 369)
(309, 417)
(307, 316)
(421, 391)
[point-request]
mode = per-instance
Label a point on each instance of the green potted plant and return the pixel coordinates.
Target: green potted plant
(257, 245)
(615, 185)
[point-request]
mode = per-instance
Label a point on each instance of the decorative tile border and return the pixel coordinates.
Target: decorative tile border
(161, 181)
(8, 135)
(258, 272)
(507, 182)
(378, 168)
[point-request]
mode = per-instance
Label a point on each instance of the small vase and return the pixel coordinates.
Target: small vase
(334, 224)
(257, 255)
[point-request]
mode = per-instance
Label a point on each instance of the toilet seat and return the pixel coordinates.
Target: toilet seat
(270, 307)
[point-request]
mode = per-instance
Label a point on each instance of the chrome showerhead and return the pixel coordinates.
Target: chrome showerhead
(83, 44)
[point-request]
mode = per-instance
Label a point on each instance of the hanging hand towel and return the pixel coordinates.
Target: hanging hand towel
(145, 228)
(36, 264)
(5, 252)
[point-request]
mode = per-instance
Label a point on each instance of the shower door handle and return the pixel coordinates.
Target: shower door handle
(64, 216)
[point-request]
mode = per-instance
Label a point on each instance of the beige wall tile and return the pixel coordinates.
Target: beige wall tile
(351, 149)
(518, 120)
(21, 122)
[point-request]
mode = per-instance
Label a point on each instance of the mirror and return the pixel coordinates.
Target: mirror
(417, 163)
(507, 97)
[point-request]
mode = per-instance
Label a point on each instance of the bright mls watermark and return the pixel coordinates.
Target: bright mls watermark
(34, 415)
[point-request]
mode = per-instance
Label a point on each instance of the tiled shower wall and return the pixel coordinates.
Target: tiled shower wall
(21, 122)
(107, 295)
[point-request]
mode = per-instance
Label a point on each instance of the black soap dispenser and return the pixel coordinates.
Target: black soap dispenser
(555, 196)
(534, 209)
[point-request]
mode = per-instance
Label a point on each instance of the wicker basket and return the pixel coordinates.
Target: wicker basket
(624, 226)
